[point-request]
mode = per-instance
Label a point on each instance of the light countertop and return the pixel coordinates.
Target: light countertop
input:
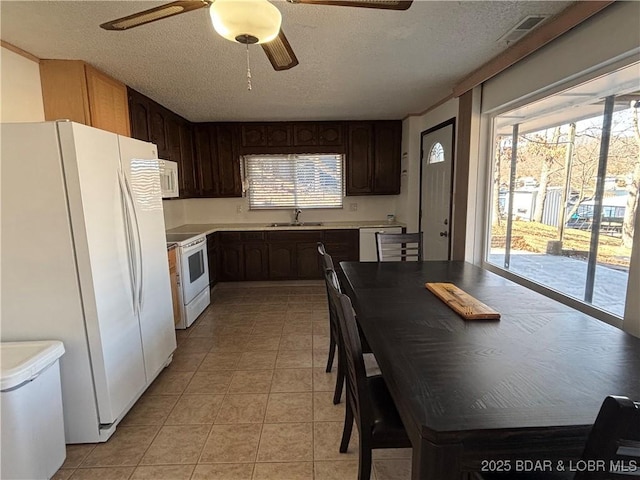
(207, 228)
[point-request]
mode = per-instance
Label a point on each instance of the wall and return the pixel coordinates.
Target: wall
(236, 210)
(20, 92)
(412, 128)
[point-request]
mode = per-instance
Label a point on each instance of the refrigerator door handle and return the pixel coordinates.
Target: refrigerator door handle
(130, 246)
(136, 224)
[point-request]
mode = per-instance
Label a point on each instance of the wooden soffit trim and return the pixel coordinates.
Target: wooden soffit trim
(564, 21)
(19, 51)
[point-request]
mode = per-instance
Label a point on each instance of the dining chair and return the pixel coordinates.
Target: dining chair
(334, 335)
(335, 340)
(368, 401)
(612, 448)
(399, 247)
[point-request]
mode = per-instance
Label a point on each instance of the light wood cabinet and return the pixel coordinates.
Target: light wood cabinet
(174, 277)
(74, 90)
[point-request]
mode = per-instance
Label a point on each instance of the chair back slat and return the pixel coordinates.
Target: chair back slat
(395, 247)
(327, 261)
(355, 373)
(614, 441)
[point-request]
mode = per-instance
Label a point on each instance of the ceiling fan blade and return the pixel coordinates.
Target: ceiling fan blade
(381, 4)
(280, 53)
(153, 14)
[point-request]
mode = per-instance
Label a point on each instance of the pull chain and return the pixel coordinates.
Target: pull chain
(248, 69)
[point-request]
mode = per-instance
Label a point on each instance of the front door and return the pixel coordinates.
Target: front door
(436, 190)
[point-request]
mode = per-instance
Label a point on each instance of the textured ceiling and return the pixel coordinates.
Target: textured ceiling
(355, 63)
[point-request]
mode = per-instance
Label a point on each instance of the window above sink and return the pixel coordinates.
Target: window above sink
(294, 181)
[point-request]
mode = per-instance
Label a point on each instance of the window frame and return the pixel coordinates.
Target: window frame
(247, 180)
(482, 245)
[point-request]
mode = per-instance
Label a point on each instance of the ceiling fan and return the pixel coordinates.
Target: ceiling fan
(247, 21)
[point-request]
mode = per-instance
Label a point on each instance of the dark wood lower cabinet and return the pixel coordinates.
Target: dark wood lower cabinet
(308, 261)
(282, 261)
(212, 258)
(256, 261)
(282, 254)
(231, 263)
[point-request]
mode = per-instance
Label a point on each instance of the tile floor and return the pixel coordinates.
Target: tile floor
(245, 398)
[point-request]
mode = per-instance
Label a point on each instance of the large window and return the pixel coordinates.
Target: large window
(566, 171)
(294, 181)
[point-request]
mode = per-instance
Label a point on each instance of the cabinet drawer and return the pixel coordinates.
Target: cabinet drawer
(341, 236)
(229, 237)
(252, 236)
(296, 236)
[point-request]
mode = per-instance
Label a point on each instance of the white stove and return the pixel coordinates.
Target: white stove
(194, 275)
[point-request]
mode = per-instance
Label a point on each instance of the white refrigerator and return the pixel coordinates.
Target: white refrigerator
(84, 261)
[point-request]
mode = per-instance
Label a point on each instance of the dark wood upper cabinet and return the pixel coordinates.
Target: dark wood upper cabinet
(172, 135)
(186, 165)
(157, 133)
(360, 159)
(279, 135)
(227, 161)
(254, 135)
(373, 158)
(305, 134)
(330, 134)
(387, 157)
(205, 166)
(139, 115)
(218, 160)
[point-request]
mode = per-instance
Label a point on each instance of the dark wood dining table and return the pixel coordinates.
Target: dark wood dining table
(488, 395)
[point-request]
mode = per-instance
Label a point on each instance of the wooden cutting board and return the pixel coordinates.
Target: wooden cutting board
(461, 302)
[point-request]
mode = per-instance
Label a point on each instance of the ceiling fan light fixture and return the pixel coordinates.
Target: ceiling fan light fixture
(246, 21)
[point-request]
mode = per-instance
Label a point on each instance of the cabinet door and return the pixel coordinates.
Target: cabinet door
(282, 261)
(212, 258)
(157, 129)
(231, 262)
(186, 167)
(108, 102)
(227, 161)
(279, 135)
(330, 134)
(139, 115)
(256, 262)
(360, 159)
(173, 138)
(204, 161)
(64, 90)
(387, 157)
(308, 261)
(254, 135)
(305, 134)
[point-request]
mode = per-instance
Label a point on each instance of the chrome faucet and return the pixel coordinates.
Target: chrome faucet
(297, 213)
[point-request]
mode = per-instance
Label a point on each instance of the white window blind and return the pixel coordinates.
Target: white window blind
(294, 181)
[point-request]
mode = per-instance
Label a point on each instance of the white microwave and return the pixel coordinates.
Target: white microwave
(169, 178)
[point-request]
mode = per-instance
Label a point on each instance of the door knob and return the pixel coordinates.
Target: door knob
(444, 234)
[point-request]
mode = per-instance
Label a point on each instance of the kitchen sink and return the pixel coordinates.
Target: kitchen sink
(300, 224)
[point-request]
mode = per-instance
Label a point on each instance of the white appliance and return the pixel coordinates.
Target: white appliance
(31, 410)
(169, 178)
(194, 275)
(83, 244)
(368, 248)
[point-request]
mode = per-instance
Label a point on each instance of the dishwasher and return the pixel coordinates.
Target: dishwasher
(368, 249)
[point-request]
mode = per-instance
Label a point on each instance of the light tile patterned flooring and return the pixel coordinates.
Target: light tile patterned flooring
(245, 398)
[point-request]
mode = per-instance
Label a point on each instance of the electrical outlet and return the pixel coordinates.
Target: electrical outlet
(353, 207)
(239, 209)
